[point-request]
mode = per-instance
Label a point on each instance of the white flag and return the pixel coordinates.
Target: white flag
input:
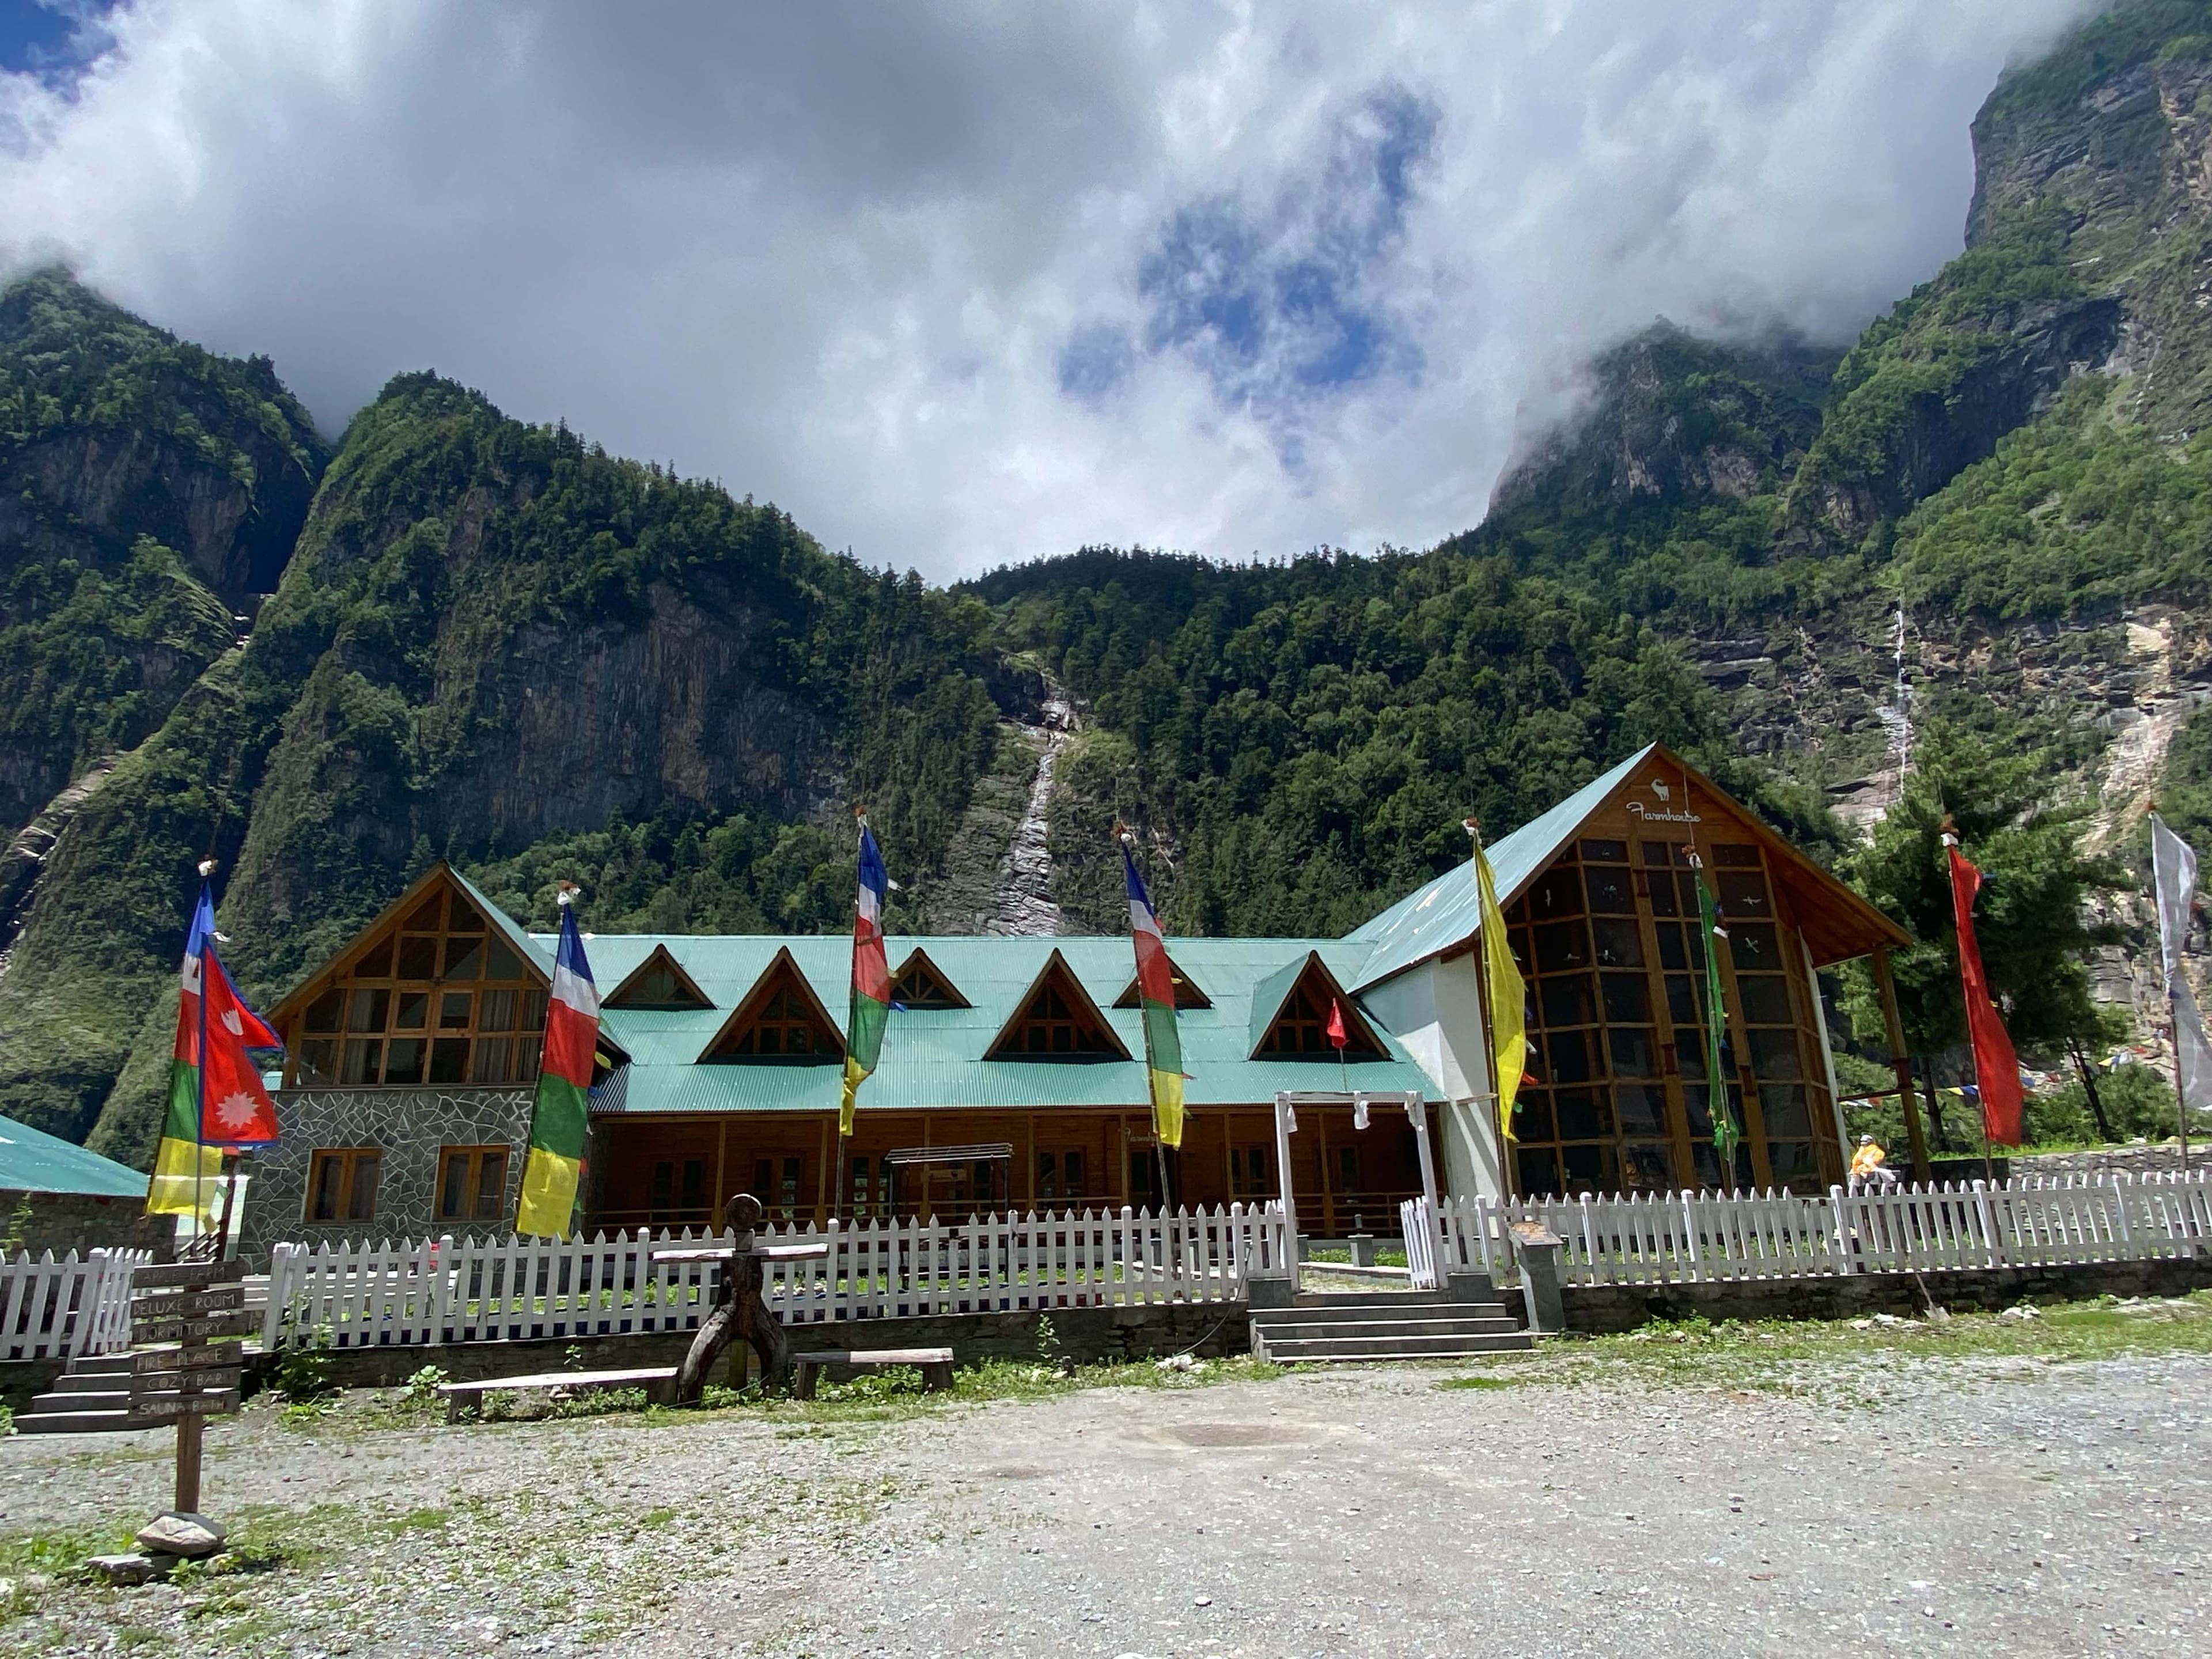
(2174, 866)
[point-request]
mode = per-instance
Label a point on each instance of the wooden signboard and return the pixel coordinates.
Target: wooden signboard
(208, 1328)
(177, 1304)
(174, 1275)
(185, 1366)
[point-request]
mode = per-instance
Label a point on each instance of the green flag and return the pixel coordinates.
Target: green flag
(1725, 1134)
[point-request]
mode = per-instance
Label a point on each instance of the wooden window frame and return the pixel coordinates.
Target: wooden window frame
(779, 982)
(445, 1056)
(472, 1186)
(348, 1161)
(1304, 1012)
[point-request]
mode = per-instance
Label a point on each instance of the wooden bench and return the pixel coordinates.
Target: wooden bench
(936, 1364)
(658, 1383)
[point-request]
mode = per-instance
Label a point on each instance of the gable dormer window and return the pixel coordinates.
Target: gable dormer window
(1056, 1020)
(1187, 992)
(1298, 1028)
(920, 984)
(780, 1019)
(659, 983)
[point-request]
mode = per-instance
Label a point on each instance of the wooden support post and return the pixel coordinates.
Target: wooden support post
(1885, 992)
(188, 1463)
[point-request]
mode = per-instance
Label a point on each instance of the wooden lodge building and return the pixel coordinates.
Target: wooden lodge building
(1013, 1071)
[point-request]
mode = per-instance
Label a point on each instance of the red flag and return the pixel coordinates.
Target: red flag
(235, 1110)
(1336, 1032)
(1996, 1069)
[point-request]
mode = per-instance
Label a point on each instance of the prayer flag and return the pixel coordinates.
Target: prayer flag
(1156, 994)
(871, 1006)
(560, 1121)
(1725, 1132)
(2173, 863)
(1995, 1067)
(185, 1172)
(1508, 994)
(236, 1110)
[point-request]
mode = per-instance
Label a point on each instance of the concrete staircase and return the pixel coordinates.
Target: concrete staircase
(93, 1395)
(1383, 1325)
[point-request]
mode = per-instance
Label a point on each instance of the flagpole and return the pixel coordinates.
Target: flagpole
(1506, 1174)
(2172, 1008)
(199, 1104)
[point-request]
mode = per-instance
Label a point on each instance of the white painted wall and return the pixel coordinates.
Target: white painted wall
(1435, 1011)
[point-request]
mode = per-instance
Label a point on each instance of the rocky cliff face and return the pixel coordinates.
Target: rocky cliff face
(488, 635)
(1669, 419)
(149, 491)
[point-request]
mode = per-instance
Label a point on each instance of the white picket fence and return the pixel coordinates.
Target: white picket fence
(52, 1310)
(432, 1291)
(1702, 1237)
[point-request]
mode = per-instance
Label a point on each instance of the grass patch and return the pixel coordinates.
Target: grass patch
(1485, 1381)
(1830, 1358)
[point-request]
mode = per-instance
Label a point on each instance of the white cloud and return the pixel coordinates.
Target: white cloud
(988, 282)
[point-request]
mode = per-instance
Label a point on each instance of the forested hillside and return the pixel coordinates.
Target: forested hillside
(493, 638)
(490, 640)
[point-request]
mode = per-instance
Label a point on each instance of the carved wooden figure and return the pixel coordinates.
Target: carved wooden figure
(740, 1309)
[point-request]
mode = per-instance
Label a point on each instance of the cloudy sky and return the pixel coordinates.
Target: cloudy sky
(969, 283)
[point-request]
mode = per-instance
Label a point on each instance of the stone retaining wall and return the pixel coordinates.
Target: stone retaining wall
(1601, 1309)
(62, 1222)
(1086, 1335)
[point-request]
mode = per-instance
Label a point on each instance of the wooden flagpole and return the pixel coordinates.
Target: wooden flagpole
(1507, 1176)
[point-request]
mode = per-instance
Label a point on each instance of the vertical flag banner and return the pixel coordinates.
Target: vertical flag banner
(2173, 863)
(236, 1113)
(1725, 1132)
(871, 979)
(1508, 993)
(560, 1119)
(185, 1172)
(1156, 993)
(1996, 1069)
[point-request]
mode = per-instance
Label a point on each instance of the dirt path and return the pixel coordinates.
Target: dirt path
(1961, 1505)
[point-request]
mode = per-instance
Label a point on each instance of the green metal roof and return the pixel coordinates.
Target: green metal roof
(933, 1058)
(31, 1160)
(1433, 919)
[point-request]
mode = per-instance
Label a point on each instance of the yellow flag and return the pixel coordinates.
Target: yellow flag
(187, 1180)
(1509, 1024)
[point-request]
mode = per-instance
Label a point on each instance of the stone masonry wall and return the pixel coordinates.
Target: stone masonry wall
(411, 1126)
(1600, 1309)
(1086, 1335)
(62, 1222)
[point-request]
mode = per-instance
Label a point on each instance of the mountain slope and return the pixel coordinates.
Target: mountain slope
(491, 636)
(148, 491)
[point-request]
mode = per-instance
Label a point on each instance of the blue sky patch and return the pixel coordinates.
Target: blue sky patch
(42, 38)
(1279, 301)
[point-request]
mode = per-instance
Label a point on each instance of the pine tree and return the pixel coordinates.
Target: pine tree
(2032, 918)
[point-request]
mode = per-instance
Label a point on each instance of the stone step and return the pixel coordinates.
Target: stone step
(1380, 1308)
(1353, 1348)
(74, 1421)
(100, 1364)
(1288, 1330)
(92, 1382)
(78, 1400)
(1368, 1298)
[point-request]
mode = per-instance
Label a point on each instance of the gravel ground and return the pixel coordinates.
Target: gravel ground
(1882, 1504)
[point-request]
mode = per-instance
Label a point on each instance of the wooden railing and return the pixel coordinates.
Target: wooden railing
(52, 1310)
(430, 1291)
(1696, 1237)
